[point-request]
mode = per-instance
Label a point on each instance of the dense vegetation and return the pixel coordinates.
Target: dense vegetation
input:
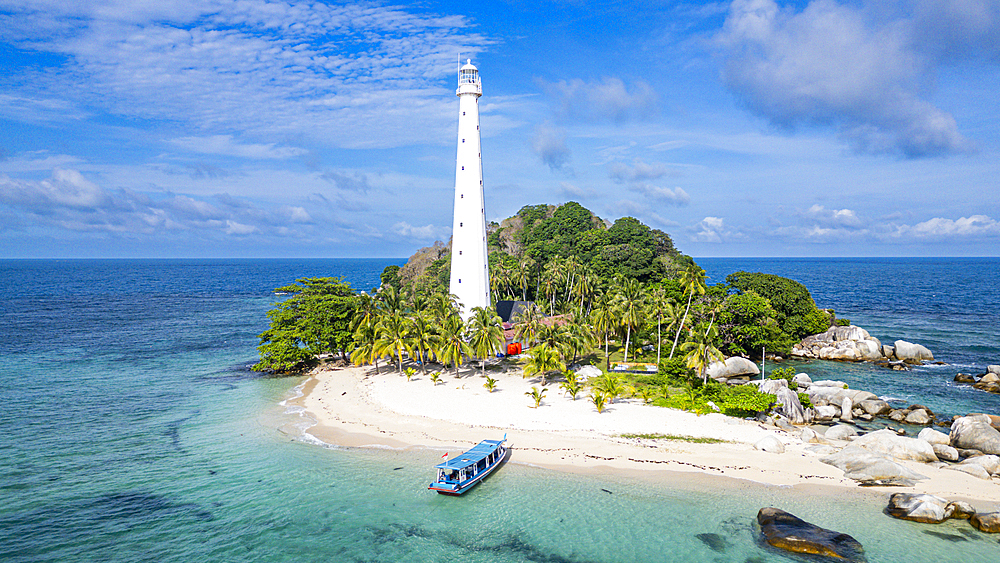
(618, 292)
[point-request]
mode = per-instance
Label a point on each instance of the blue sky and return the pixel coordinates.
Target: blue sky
(252, 128)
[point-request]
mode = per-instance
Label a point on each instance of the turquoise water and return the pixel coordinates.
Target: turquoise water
(133, 431)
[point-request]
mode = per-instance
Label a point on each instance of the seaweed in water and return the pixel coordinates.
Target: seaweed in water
(716, 542)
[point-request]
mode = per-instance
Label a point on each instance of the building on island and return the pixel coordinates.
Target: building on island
(470, 275)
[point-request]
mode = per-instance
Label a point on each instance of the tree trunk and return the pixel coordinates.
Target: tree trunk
(679, 327)
(607, 358)
(628, 336)
(658, 344)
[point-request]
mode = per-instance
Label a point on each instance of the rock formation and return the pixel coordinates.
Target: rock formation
(785, 531)
(854, 344)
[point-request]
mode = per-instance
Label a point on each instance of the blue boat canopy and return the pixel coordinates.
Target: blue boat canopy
(471, 457)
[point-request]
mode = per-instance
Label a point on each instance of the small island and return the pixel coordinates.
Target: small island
(628, 361)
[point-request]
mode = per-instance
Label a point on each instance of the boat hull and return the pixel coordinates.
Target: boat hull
(459, 489)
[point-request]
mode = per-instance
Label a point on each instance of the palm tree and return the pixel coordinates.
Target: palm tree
(519, 275)
(536, 394)
(486, 334)
(392, 301)
(693, 281)
(527, 322)
(578, 336)
(571, 385)
(490, 384)
(451, 346)
(392, 337)
(701, 351)
(541, 360)
(551, 280)
(555, 336)
(585, 284)
(630, 305)
(443, 305)
(364, 345)
(603, 319)
(421, 337)
(661, 308)
(598, 399)
(611, 385)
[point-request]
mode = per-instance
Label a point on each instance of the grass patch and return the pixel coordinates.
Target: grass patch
(691, 439)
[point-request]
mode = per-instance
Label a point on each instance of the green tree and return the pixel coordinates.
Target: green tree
(485, 333)
(794, 308)
(661, 309)
(364, 344)
(700, 351)
(392, 337)
(421, 337)
(315, 320)
(536, 394)
(451, 344)
(603, 318)
(747, 325)
(693, 281)
(630, 307)
(541, 360)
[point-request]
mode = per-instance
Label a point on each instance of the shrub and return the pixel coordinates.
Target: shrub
(805, 400)
(745, 400)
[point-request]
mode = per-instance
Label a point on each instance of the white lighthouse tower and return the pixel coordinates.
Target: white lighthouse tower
(470, 275)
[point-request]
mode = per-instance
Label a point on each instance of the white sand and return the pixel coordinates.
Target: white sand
(355, 407)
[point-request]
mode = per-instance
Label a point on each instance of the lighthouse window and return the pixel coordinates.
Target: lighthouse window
(461, 196)
(459, 224)
(459, 252)
(463, 140)
(459, 280)
(463, 113)
(463, 168)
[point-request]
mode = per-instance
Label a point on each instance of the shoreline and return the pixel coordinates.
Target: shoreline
(353, 407)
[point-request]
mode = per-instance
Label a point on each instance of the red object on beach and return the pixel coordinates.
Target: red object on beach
(514, 348)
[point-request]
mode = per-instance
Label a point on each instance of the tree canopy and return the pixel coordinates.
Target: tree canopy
(315, 320)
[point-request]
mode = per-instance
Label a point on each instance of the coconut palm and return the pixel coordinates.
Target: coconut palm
(536, 394)
(611, 385)
(442, 305)
(551, 279)
(392, 337)
(571, 385)
(364, 344)
(541, 360)
(450, 342)
(435, 378)
(701, 351)
(391, 301)
(603, 319)
(693, 281)
(585, 285)
(578, 336)
(599, 399)
(662, 309)
(519, 275)
(421, 337)
(485, 333)
(527, 322)
(630, 306)
(490, 384)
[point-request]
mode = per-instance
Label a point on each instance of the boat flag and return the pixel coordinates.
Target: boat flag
(445, 456)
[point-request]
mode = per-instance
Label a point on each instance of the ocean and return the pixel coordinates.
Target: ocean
(133, 430)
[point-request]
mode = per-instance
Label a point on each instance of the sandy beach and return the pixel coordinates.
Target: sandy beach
(354, 407)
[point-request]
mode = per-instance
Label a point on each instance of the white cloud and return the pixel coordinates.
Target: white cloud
(639, 171)
(710, 229)
(354, 75)
(224, 145)
(607, 100)
(427, 232)
(675, 196)
(549, 143)
(833, 217)
(963, 227)
(239, 229)
(842, 65)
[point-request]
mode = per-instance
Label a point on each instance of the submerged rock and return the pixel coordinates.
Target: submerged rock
(961, 510)
(786, 531)
(988, 522)
(928, 509)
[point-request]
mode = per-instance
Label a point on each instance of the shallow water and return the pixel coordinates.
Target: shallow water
(133, 431)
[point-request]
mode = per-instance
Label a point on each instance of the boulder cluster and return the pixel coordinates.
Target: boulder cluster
(972, 447)
(989, 381)
(854, 344)
(930, 509)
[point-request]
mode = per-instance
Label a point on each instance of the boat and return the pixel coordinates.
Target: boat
(456, 476)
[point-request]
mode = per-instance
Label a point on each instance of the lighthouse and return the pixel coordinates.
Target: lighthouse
(470, 275)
